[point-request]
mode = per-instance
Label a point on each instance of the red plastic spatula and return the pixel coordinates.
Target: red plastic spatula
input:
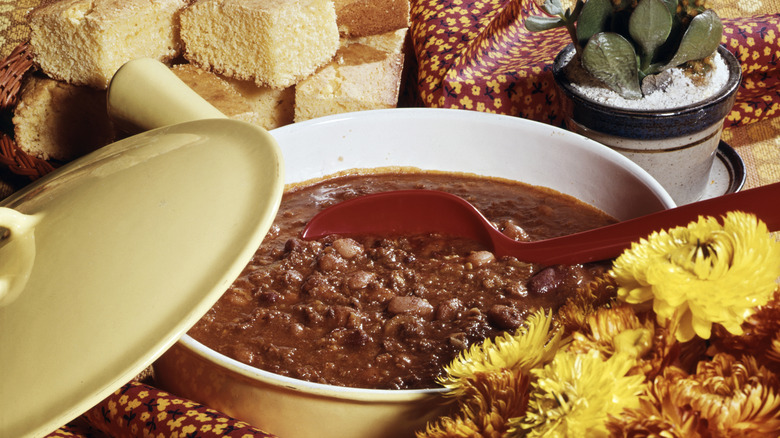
(422, 211)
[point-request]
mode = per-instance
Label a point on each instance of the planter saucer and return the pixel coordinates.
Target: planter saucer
(728, 172)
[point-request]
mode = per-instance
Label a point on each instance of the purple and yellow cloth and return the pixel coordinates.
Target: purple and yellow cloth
(139, 410)
(478, 55)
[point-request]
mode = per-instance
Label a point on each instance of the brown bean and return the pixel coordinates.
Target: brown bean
(379, 295)
(339, 315)
(514, 231)
(360, 279)
(448, 310)
(411, 305)
(293, 245)
(516, 290)
(558, 278)
(239, 296)
(292, 278)
(268, 297)
(347, 248)
(505, 317)
(403, 327)
(354, 337)
(480, 258)
(331, 262)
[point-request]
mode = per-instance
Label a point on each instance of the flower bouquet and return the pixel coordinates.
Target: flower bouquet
(678, 339)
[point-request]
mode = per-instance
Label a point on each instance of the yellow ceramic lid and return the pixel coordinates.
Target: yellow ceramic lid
(110, 259)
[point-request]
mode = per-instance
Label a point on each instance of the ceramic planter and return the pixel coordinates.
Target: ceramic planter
(676, 146)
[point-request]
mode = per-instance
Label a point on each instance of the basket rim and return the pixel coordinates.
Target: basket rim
(13, 71)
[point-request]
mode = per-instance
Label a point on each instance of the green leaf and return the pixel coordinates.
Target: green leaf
(671, 5)
(649, 26)
(537, 24)
(611, 58)
(572, 15)
(593, 19)
(553, 7)
(700, 40)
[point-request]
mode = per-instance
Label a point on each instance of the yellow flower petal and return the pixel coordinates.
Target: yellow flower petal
(532, 345)
(703, 274)
(575, 394)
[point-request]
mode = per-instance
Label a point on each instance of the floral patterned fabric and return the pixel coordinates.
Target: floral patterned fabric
(478, 55)
(139, 410)
(756, 43)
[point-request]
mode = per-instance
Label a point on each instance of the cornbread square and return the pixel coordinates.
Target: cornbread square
(240, 100)
(371, 17)
(365, 74)
(58, 121)
(271, 42)
(84, 42)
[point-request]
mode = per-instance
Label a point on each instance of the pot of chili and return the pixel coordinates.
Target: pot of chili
(345, 337)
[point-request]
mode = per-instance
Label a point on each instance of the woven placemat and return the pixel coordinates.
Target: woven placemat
(13, 70)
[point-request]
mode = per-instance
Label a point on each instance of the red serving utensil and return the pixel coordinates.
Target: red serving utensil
(422, 211)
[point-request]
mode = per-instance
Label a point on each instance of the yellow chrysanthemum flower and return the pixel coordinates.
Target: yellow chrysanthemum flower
(531, 345)
(702, 274)
(613, 329)
(490, 400)
(726, 397)
(599, 293)
(450, 427)
(760, 337)
(773, 352)
(664, 411)
(575, 394)
(738, 397)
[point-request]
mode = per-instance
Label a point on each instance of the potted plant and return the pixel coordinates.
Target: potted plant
(648, 78)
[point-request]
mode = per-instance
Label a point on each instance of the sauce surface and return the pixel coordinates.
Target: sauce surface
(388, 312)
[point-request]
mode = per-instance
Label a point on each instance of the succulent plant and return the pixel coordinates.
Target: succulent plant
(621, 42)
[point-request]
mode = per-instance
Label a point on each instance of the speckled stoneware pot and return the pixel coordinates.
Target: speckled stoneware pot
(676, 146)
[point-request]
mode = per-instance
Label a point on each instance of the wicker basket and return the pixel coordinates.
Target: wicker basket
(12, 73)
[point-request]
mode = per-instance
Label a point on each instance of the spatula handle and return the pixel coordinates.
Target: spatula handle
(610, 241)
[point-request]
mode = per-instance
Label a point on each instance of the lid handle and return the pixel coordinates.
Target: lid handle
(17, 252)
(145, 94)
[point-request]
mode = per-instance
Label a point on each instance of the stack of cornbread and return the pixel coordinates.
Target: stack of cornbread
(268, 62)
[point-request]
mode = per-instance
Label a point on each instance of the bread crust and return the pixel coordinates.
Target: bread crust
(58, 121)
(365, 74)
(357, 18)
(240, 100)
(275, 43)
(84, 42)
